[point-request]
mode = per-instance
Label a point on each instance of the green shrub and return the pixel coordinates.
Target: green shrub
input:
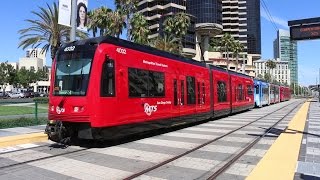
(41, 100)
(21, 122)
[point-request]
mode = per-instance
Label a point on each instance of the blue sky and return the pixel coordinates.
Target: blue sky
(14, 12)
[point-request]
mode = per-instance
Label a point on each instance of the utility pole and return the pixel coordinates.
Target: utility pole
(73, 20)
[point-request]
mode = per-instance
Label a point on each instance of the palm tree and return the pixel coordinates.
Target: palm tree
(101, 19)
(271, 65)
(237, 49)
(139, 29)
(177, 26)
(117, 23)
(226, 44)
(127, 8)
(92, 26)
(166, 43)
(46, 31)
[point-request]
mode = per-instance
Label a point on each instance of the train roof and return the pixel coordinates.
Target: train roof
(134, 46)
(146, 49)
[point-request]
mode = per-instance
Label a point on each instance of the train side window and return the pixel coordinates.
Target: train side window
(203, 94)
(138, 82)
(175, 92)
(240, 92)
(182, 92)
(249, 90)
(191, 95)
(222, 91)
(144, 83)
(257, 89)
(108, 79)
(198, 88)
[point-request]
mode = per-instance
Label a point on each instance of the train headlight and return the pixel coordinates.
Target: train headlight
(78, 109)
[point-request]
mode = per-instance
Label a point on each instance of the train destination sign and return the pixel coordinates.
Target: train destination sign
(305, 32)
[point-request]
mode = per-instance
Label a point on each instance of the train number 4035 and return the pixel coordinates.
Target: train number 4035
(121, 51)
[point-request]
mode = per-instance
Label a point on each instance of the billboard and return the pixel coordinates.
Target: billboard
(82, 10)
(64, 12)
(305, 32)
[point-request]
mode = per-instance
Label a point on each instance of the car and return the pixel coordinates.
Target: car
(28, 94)
(16, 95)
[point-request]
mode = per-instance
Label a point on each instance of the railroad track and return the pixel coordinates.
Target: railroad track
(76, 152)
(231, 161)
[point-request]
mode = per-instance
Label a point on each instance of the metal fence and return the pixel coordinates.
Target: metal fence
(23, 112)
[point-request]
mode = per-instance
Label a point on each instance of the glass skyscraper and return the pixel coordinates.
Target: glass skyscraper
(286, 50)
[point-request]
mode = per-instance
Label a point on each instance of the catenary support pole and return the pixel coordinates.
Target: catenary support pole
(73, 20)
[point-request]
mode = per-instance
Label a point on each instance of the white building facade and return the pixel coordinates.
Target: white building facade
(281, 73)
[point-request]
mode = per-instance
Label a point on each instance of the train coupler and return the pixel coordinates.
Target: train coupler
(57, 132)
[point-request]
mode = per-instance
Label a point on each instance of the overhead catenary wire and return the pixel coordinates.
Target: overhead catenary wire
(266, 9)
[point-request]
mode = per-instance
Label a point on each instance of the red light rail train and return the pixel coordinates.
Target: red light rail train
(104, 86)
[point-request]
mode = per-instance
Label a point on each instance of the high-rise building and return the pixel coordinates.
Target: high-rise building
(286, 50)
(208, 24)
(156, 11)
(241, 19)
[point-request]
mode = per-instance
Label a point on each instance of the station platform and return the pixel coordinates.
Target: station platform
(295, 154)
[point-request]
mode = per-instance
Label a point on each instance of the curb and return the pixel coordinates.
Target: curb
(22, 139)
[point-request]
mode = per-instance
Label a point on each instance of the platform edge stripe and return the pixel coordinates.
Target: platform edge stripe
(280, 160)
(22, 139)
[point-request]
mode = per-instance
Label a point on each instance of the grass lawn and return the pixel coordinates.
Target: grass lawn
(18, 110)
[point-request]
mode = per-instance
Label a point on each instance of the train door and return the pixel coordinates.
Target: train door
(201, 101)
(179, 96)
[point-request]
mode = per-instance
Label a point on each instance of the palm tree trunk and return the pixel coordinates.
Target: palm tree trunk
(54, 50)
(227, 58)
(237, 60)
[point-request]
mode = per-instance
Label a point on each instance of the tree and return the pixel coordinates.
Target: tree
(139, 29)
(91, 23)
(226, 44)
(116, 24)
(260, 76)
(177, 26)
(23, 77)
(127, 8)
(271, 65)
(214, 44)
(267, 77)
(45, 31)
(166, 43)
(237, 48)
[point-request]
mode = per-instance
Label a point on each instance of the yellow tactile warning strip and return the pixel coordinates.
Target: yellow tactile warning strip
(280, 160)
(22, 139)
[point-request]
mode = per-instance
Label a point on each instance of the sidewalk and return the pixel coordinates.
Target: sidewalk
(308, 165)
(21, 130)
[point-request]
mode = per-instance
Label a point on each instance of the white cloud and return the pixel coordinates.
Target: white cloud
(276, 20)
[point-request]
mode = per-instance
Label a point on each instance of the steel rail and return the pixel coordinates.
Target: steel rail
(247, 148)
(200, 146)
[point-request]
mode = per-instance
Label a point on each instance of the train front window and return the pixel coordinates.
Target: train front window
(72, 74)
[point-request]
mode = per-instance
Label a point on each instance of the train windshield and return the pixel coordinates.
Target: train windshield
(72, 73)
